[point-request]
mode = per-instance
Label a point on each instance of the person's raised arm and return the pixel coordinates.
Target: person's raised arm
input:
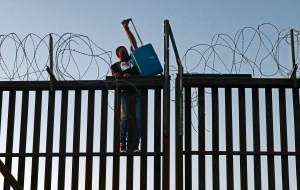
(129, 33)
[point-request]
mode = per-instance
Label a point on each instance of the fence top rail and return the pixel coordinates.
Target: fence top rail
(111, 83)
(237, 82)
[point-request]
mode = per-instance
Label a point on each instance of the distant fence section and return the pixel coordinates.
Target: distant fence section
(239, 133)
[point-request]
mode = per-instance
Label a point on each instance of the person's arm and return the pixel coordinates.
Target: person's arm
(129, 33)
(115, 71)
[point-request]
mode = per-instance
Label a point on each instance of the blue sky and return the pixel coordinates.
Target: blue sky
(192, 22)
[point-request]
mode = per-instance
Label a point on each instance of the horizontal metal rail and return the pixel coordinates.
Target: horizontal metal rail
(243, 153)
(235, 83)
(80, 154)
(111, 84)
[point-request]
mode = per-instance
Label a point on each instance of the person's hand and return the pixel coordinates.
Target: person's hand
(115, 74)
(125, 23)
(126, 75)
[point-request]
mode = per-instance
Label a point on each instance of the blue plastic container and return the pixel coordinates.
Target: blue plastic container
(146, 60)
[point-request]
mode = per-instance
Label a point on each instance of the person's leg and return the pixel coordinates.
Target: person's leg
(123, 119)
(137, 129)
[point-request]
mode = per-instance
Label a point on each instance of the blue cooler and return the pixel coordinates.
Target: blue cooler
(146, 60)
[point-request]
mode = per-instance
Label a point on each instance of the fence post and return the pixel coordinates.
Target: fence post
(50, 70)
(178, 109)
(295, 67)
(166, 111)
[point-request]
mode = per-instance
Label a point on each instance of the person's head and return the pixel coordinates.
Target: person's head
(120, 52)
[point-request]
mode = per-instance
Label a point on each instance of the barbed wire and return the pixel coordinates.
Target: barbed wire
(76, 57)
(263, 52)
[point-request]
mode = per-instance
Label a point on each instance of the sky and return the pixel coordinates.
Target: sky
(192, 21)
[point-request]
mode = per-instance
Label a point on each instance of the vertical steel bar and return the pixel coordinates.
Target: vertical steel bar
(144, 139)
(201, 137)
(256, 138)
(166, 111)
(36, 139)
(1, 96)
(188, 140)
(270, 138)
(215, 137)
(103, 139)
(49, 143)
(166, 97)
(178, 140)
(51, 60)
(179, 91)
(10, 131)
(116, 159)
(90, 139)
(76, 139)
(130, 119)
(295, 67)
(130, 130)
(243, 137)
(23, 136)
(297, 131)
(229, 138)
(157, 139)
(62, 140)
(283, 137)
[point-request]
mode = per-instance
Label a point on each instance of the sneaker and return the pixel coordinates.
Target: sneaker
(136, 149)
(122, 148)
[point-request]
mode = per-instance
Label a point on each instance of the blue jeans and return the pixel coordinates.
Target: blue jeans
(124, 116)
